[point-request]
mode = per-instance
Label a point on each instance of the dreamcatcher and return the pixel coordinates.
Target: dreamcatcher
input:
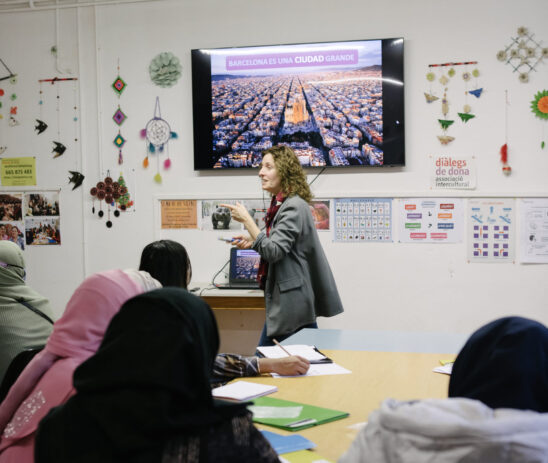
(157, 134)
(114, 194)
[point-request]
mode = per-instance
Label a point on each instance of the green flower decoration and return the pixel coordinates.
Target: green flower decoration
(539, 105)
(430, 76)
(476, 73)
(165, 69)
(451, 72)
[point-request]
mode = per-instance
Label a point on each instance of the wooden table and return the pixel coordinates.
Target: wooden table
(375, 377)
(240, 316)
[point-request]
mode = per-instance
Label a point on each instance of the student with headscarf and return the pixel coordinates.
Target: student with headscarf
(26, 317)
(168, 262)
(497, 410)
(47, 380)
(144, 397)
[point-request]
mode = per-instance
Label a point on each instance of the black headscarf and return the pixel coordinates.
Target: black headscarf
(148, 382)
(504, 364)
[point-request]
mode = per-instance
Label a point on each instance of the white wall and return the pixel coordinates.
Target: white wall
(383, 286)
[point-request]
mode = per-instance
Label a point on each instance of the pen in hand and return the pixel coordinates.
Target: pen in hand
(281, 347)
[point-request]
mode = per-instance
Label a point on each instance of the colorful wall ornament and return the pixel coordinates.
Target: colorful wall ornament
(539, 106)
(165, 69)
(442, 83)
(523, 54)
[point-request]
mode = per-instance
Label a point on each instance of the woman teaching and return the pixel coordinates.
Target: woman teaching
(294, 272)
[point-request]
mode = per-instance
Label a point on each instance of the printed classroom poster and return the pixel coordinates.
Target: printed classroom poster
(179, 213)
(491, 230)
(534, 230)
(363, 219)
(431, 220)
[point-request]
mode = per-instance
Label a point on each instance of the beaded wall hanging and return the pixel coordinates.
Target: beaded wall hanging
(441, 78)
(157, 134)
(523, 54)
(7, 97)
(119, 117)
(506, 169)
(59, 147)
(114, 194)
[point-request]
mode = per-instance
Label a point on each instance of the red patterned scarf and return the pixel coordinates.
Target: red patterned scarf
(275, 204)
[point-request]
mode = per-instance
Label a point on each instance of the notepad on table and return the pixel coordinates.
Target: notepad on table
(242, 390)
(285, 444)
(311, 353)
(309, 416)
(303, 456)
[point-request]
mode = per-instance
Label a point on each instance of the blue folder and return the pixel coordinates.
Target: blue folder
(286, 444)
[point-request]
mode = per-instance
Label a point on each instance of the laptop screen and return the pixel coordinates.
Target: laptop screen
(244, 266)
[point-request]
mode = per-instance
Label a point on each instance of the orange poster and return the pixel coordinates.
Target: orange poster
(179, 213)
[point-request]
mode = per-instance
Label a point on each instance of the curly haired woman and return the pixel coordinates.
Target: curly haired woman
(294, 271)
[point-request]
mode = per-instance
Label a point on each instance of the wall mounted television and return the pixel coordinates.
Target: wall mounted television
(337, 104)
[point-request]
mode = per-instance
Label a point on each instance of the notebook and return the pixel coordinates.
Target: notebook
(242, 390)
(243, 269)
(309, 415)
(311, 353)
(285, 444)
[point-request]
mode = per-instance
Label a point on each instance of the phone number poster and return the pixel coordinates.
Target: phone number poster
(431, 220)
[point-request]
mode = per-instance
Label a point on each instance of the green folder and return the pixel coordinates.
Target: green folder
(309, 416)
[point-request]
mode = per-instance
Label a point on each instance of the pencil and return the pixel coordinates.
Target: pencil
(281, 347)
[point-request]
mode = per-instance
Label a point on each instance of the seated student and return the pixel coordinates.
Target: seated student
(497, 410)
(168, 262)
(47, 379)
(145, 396)
(26, 317)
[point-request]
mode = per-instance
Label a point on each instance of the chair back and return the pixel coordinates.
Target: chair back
(17, 365)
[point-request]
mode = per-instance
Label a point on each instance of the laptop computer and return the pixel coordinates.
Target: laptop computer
(243, 269)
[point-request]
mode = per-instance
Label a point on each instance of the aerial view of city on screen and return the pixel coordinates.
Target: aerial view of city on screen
(325, 101)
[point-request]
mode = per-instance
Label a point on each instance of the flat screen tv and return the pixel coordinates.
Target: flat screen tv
(337, 104)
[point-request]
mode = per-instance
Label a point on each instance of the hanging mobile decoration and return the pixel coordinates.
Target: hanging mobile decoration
(157, 134)
(165, 69)
(40, 124)
(115, 194)
(119, 117)
(76, 177)
(10, 74)
(506, 169)
(465, 115)
(59, 148)
(446, 121)
(539, 106)
(523, 54)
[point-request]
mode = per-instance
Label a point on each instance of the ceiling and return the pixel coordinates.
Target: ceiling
(9, 6)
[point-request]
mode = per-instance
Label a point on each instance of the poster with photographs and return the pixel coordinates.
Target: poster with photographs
(42, 218)
(216, 217)
(42, 204)
(11, 218)
(320, 213)
(42, 231)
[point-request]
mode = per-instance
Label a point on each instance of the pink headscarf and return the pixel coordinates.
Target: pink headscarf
(47, 380)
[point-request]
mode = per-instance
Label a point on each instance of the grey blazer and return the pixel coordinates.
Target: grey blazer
(299, 285)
